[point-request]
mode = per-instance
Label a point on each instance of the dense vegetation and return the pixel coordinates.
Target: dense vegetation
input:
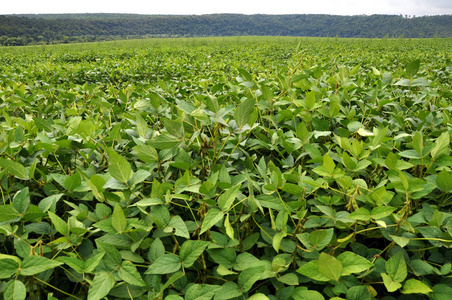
(29, 29)
(227, 168)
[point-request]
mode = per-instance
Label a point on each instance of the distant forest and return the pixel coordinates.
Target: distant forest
(16, 30)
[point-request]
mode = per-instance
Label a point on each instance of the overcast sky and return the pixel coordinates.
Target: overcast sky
(338, 7)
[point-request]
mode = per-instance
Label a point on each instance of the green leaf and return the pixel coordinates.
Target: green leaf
(391, 161)
(72, 182)
(112, 258)
(390, 284)
(319, 239)
(441, 145)
(311, 270)
(437, 219)
(245, 74)
(243, 112)
(359, 292)
(258, 296)
(289, 279)
(329, 266)
(146, 153)
(118, 167)
(248, 277)
(174, 128)
(413, 67)
(173, 278)
(100, 287)
(307, 295)
(444, 181)
(400, 240)
(35, 264)
(129, 273)
(75, 263)
(441, 292)
(228, 227)
(361, 213)
(227, 199)
(49, 203)
(59, 224)
(179, 225)
(191, 250)
(21, 201)
(396, 267)
(93, 262)
(353, 263)
(165, 264)
(156, 250)
(277, 238)
(164, 141)
(381, 212)
(8, 267)
(228, 290)
(142, 125)
(201, 292)
(43, 124)
(14, 290)
(328, 164)
(119, 220)
(223, 256)
(15, 168)
(8, 213)
(420, 82)
(212, 217)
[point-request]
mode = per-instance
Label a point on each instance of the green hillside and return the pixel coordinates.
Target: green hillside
(31, 29)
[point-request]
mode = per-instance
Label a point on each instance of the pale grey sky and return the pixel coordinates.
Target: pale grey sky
(337, 7)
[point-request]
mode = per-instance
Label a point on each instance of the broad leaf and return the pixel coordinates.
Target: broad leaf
(165, 264)
(14, 290)
(243, 112)
(390, 284)
(35, 264)
(228, 290)
(8, 213)
(164, 141)
(307, 295)
(227, 199)
(59, 224)
(8, 267)
(212, 217)
(190, 251)
(330, 266)
(100, 287)
(414, 286)
(118, 167)
(129, 273)
(248, 277)
(444, 181)
(441, 145)
(353, 263)
(201, 292)
(118, 219)
(21, 201)
(14, 168)
(396, 267)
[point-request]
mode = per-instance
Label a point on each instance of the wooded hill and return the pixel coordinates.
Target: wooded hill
(57, 28)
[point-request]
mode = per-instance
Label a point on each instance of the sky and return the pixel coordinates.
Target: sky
(192, 7)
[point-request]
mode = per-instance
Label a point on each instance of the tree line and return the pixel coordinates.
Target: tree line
(65, 28)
